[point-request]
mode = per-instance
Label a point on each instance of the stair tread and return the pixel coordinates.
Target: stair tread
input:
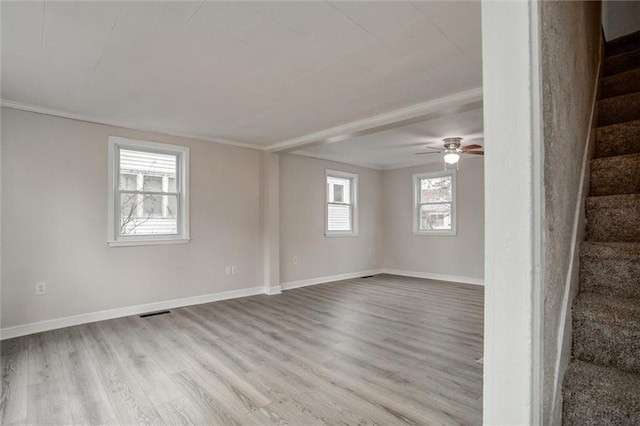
(618, 174)
(622, 62)
(618, 311)
(618, 139)
(616, 250)
(610, 396)
(621, 84)
(623, 44)
(616, 201)
(619, 109)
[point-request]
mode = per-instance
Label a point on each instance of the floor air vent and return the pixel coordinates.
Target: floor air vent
(150, 314)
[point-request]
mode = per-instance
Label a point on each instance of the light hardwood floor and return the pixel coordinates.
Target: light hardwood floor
(382, 350)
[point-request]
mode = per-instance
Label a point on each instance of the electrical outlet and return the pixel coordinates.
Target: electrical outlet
(234, 270)
(41, 288)
(227, 270)
(295, 260)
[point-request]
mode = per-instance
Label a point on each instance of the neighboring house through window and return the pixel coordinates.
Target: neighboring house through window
(434, 208)
(148, 193)
(342, 213)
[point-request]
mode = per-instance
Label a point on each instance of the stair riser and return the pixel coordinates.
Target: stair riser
(621, 84)
(623, 44)
(619, 109)
(619, 139)
(607, 345)
(576, 413)
(610, 277)
(615, 175)
(622, 63)
(613, 224)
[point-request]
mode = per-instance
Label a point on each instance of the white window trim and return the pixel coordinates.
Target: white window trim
(354, 204)
(182, 152)
(416, 204)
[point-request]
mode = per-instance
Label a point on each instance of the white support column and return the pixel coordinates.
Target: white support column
(270, 194)
(513, 213)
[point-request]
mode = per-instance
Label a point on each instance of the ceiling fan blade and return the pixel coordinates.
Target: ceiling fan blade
(423, 153)
(474, 146)
(437, 149)
(474, 152)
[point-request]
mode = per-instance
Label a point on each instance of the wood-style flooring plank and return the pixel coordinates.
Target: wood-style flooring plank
(15, 378)
(48, 402)
(88, 400)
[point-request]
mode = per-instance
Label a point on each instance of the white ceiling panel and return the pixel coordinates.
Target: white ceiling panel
(21, 32)
(382, 19)
(256, 72)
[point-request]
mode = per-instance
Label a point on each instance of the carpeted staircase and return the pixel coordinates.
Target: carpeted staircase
(602, 384)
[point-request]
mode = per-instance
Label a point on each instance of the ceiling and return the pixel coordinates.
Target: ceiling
(252, 72)
(397, 147)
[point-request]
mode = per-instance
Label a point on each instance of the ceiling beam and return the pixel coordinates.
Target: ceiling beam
(453, 104)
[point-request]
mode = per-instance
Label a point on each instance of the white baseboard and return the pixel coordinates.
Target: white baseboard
(37, 327)
(437, 277)
(274, 290)
(321, 280)
(427, 275)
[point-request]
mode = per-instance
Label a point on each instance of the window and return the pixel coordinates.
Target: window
(342, 213)
(148, 193)
(434, 210)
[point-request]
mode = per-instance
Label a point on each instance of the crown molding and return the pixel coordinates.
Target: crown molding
(346, 131)
(91, 119)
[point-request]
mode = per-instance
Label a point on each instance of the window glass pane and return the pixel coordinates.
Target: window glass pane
(435, 216)
(153, 166)
(339, 190)
(152, 205)
(172, 185)
(339, 217)
(435, 190)
(152, 183)
(170, 206)
(128, 181)
(143, 214)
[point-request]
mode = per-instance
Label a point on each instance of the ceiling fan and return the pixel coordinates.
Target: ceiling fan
(452, 150)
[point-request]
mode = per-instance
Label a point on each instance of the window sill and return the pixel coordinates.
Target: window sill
(154, 242)
(340, 234)
(435, 233)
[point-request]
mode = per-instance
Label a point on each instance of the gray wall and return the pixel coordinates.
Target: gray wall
(54, 223)
(461, 255)
(570, 53)
(620, 18)
(302, 221)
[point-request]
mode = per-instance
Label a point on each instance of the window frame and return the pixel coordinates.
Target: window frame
(114, 238)
(354, 203)
(416, 204)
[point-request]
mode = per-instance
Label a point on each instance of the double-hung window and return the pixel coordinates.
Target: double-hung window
(434, 208)
(342, 213)
(148, 193)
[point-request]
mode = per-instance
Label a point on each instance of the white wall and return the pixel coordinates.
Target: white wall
(620, 18)
(460, 255)
(302, 221)
(54, 223)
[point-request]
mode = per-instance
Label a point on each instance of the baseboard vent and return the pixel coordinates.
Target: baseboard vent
(150, 314)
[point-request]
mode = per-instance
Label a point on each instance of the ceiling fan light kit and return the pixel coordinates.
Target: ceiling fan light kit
(451, 157)
(452, 151)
